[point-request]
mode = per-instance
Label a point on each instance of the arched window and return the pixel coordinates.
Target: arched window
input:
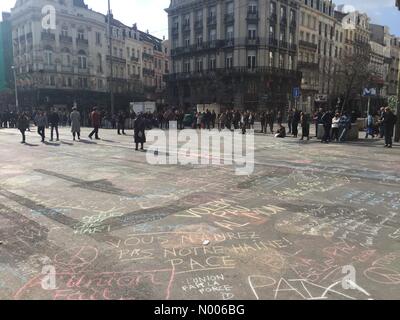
(82, 59)
(66, 57)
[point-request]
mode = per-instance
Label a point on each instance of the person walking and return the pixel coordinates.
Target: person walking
(139, 128)
(96, 121)
(22, 125)
(370, 126)
(381, 124)
(389, 121)
(41, 123)
(344, 127)
(54, 120)
(75, 119)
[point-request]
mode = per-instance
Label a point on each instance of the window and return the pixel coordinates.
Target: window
(251, 59)
(186, 66)
(48, 56)
(64, 31)
(230, 8)
(82, 60)
(212, 63)
(229, 33)
(98, 38)
(281, 61)
(199, 65)
(252, 32)
(213, 35)
(81, 34)
(229, 61)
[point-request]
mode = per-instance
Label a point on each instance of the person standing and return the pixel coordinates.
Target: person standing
(290, 120)
(389, 121)
(295, 123)
(75, 119)
(121, 122)
(381, 124)
(96, 121)
(335, 127)
(327, 122)
(317, 120)
(370, 126)
(54, 120)
(139, 128)
(22, 125)
(305, 125)
(344, 127)
(41, 122)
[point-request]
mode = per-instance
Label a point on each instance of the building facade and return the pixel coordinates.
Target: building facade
(240, 54)
(73, 63)
(394, 71)
(6, 53)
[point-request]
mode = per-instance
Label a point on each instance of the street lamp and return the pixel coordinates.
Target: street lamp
(16, 88)
(111, 58)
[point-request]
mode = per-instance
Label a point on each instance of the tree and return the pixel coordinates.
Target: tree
(354, 73)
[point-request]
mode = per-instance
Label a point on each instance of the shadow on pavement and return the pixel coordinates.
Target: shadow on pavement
(31, 145)
(87, 141)
(67, 143)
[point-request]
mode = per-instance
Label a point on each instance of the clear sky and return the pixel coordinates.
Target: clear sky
(150, 14)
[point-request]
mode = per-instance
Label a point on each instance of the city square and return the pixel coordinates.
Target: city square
(114, 227)
(185, 150)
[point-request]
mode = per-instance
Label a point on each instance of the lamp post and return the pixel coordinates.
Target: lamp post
(111, 58)
(16, 88)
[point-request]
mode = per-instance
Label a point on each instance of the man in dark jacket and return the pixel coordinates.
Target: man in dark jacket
(54, 120)
(96, 121)
(295, 123)
(327, 122)
(121, 123)
(139, 128)
(22, 125)
(389, 121)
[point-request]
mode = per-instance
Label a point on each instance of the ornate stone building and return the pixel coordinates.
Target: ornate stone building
(239, 53)
(71, 63)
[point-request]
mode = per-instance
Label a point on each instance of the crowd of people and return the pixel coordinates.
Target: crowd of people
(335, 125)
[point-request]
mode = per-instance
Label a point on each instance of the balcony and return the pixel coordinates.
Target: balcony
(229, 43)
(117, 59)
(29, 36)
(22, 38)
(175, 31)
(51, 68)
(273, 42)
(229, 18)
(252, 16)
(67, 69)
(211, 20)
(252, 41)
(283, 44)
(283, 21)
(135, 76)
(273, 17)
(292, 47)
(198, 25)
(82, 42)
(307, 65)
(84, 71)
(293, 23)
(186, 27)
(307, 44)
(147, 56)
(148, 72)
(48, 37)
(134, 59)
(65, 39)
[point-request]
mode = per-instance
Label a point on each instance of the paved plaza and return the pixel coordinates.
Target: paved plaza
(314, 221)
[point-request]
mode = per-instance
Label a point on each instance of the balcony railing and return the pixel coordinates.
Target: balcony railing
(307, 44)
(147, 56)
(292, 47)
(46, 36)
(211, 20)
(307, 65)
(253, 41)
(148, 72)
(273, 42)
(252, 15)
(186, 27)
(116, 59)
(223, 72)
(229, 43)
(283, 44)
(229, 18)
(65, 39)
(82, 42)
(134, 59)
(50, 67)
(198, 24)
